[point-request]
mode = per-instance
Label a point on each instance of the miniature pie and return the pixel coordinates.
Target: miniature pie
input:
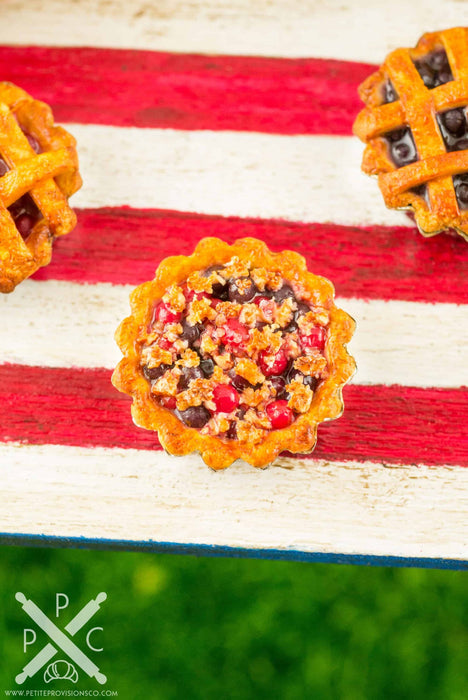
(38, 172)
(236, 352)
(416, 130)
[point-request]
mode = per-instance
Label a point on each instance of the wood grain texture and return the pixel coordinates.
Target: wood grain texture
(230, 173)
(76, 406)
(316, 506)
(362, 30)
(168, 90)
(373, 262)
(396, 342)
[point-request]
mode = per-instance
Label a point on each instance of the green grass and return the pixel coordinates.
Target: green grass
(201, 628)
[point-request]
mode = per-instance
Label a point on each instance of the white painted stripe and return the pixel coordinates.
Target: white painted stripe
(360, 30)
(61, 324)
(351, 508)
(303, 178)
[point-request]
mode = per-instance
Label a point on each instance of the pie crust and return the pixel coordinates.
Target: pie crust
(41, 164)
(422, 95)
(218, 452)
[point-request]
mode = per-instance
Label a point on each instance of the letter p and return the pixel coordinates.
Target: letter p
(25, 638)
(59, 607)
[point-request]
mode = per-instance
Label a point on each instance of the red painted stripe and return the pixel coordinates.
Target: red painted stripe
(125, 246)
(183, 91)
(80, 407)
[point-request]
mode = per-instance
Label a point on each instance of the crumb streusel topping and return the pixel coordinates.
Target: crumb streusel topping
(236, 351)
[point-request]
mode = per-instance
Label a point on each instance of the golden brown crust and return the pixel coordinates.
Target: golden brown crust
(417, 107)
(174, 436)
(50, 177)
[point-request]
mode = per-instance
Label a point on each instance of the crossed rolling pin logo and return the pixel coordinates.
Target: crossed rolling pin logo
(61, 640)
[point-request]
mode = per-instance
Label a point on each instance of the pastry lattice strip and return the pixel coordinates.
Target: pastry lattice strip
(417, 107)
(49, 177)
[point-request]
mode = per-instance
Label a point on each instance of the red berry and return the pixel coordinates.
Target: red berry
(270, 368)
(279, 414)
(258, 300)
(226, 398)
(190, 295)
(314, 339)
(168, 402)
(164, 314)
(236, 334)
(267, 306)
(164, 343)
(25, 223)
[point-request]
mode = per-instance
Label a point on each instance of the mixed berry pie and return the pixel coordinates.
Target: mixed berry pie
(415, 126)
(38, 172)
(236, 352)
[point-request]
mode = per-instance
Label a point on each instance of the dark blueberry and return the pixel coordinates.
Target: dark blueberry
(188, 375)
(454, 121)
(462, 193)
(291, 327)
(3, 167)
(310, 381)
(154, 373)
(232, 432)
(434, 69)
(462, 145)
(284, 293)
(279, 384)
(220, 290)
(438, 60)
(427, 74)
(33, 142)
(241, 412)
(390, 94)
(420, 190)
(239, 382)
(307, 380)
(444, 77)
(243, 295)
(190, 333)
(302, 309)
(195, 416)
(207, 366)
(403, 151)
(396, 135)
(213, 268)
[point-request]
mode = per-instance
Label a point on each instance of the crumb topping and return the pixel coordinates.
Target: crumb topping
(236, 351)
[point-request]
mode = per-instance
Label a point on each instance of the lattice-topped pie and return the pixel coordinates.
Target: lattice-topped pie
(416, 129)
(38, 172)
(236, 352)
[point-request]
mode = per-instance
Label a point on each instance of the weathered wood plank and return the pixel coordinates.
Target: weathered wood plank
(363, 31)
(229, 173)
(310, 506)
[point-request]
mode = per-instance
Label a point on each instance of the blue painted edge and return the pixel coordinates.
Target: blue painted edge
(30, 540)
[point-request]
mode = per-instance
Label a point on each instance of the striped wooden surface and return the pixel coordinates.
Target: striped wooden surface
(197, 119)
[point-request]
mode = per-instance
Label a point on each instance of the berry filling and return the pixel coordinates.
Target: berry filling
(460, 183)
(389, 94)
(402, 147)
(25, 214)
(235, 351)
(24, 211)
(434, 69)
